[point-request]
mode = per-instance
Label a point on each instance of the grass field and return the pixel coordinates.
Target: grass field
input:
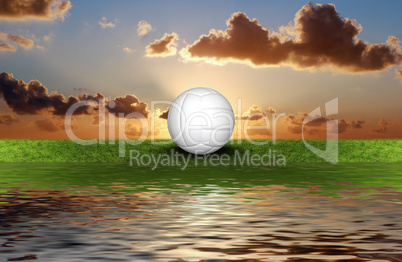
(293, 150)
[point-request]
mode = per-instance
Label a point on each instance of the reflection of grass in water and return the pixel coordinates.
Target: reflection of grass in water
(293, 150)
(109, 172)
(320, 178)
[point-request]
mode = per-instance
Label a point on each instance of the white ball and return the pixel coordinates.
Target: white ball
(200, 120)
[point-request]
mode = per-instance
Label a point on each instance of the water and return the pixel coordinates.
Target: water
(113, 212)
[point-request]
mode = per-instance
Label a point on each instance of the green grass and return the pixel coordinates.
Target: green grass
(293, 150)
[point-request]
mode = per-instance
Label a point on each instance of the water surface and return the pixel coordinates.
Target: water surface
(114, 212)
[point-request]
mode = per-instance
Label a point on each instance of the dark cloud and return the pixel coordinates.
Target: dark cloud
(60, 104)
(342, 126)
(126, 105)
(79, 89)
(33, 98)
(23, 98)
(296, 122)
(295, 129)
(357, 124)
(33, 9)
(383, 127)
(319, 37)
(164, 114)
(162, 47)
(6, 47)
(7, 119)
(47, 125)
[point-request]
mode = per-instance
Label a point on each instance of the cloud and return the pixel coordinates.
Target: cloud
(295, 124)
(256, 113)
(3, 36)
(6, 47)
(292, 122)
(253, 113)
(164, 114)
(165, 46)
(17, 39)
(134, 131)
(143, 28)
(41, 47)
(383, 127)
(319, 37)
(19, 10)
(105, 24)
(398, 73)
(259, 133)
(47, 125)
(294, 129)
(7, 119)
(128, 50)
(126, 105)
(79, 89)
(48, 37)
(357, 124)
(22, 41)
(33, 98)
(342, 126)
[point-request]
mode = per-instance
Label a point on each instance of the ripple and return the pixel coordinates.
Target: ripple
(208, 218)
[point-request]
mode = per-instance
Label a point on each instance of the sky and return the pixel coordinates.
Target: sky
(275, 56)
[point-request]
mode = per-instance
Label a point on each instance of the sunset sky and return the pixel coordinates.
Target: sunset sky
(289, 56)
